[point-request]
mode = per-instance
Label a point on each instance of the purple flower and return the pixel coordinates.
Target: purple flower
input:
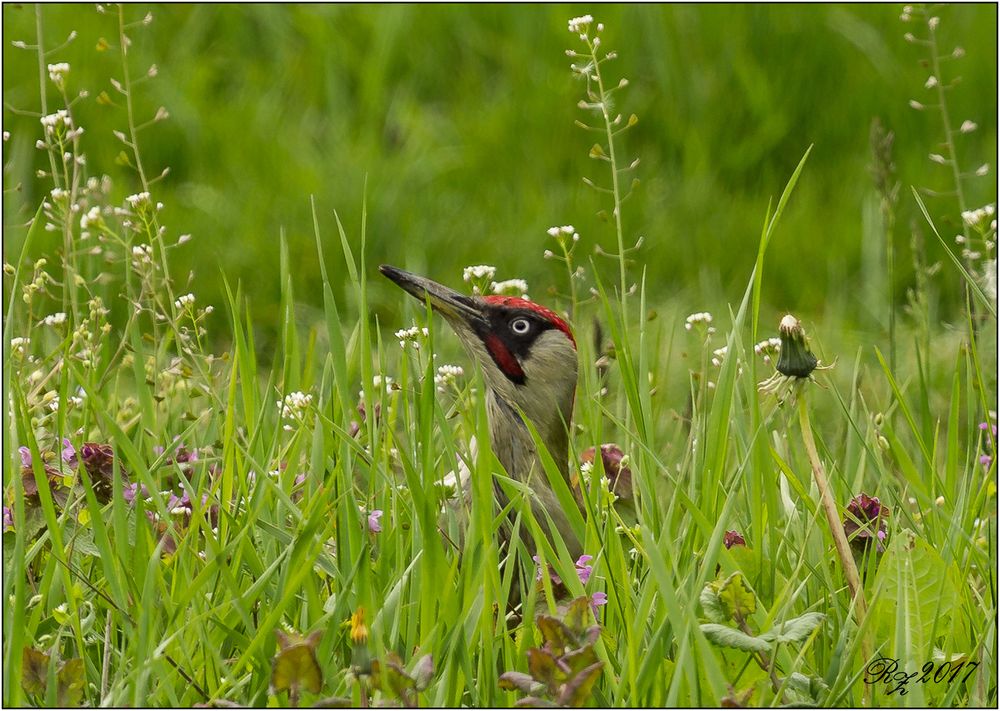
(986, 460)
(866, 521)
(987, 426)
(733, 538)
(373, 525)
(598, 599)
(25, 456)
(8, 519)
(556, 580)
(68, 452)
(583, 569)
(130, 491)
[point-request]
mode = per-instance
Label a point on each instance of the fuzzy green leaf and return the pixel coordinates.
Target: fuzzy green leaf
(795, 629)
(711, 604)
(729, 637)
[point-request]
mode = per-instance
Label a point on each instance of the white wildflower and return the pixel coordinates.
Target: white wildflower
(138, 200)
(938, 158)
(931, 82)
(142, 254)
(53, 122)
(697, 319)
(294, 404)
(481, 271)
(91, 217)
(718, 354)
(58, 72)
(446, 375)
(183, 238)
(515, 287)
(184, 301)
(56, 319)
(580, 24)
(411, 336)
(914, 104)
(982, 170)
(968, 126)
(933, 23)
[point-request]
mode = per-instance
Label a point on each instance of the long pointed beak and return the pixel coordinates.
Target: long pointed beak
(449, 303)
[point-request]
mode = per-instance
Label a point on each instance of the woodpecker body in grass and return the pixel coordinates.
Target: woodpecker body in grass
(528, 358)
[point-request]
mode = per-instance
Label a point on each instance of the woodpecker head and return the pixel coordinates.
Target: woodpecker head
(526, 352)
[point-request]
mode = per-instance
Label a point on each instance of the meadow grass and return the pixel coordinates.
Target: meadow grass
(219, 500)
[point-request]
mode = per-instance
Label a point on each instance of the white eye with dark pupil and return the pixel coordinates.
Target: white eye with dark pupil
(520, 326)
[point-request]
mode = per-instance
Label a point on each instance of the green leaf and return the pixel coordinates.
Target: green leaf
(423, 672)
(917, 594)
(554, 632)
(295, 666)
(35, 667)
(810, 687)
(576, 692)
(795, 629)
(520, 681)
(711, 604)
(71, 683)
(738, 600)
(542, 665)
(729, 637)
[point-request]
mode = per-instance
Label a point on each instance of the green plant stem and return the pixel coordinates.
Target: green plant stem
(615, 188)
(41, 83)
(836, 529)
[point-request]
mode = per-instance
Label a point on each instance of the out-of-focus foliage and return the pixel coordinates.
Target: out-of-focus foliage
(460, 118)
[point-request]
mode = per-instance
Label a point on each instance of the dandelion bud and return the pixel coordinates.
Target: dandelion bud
(795, 359)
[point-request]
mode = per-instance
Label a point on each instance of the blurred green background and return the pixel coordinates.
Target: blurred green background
(461, 120)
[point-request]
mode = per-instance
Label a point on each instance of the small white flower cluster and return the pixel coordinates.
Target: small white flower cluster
(479, 276)
(52, 123)
(768, 348)
(510, 287)
(975, 218)
(184, 301)
(294, 404)
(481, 271)
(907, 13)
(19, 345)
(562, 232)
(931, 82)
(381, 381)
(142, 254)
(699, 319)
(91, 218)
(446, 375)
(138, 200)
(718, 354)
(56, 319)
(968, 126)
(580, 24)
(411, 336)
(58, 72)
